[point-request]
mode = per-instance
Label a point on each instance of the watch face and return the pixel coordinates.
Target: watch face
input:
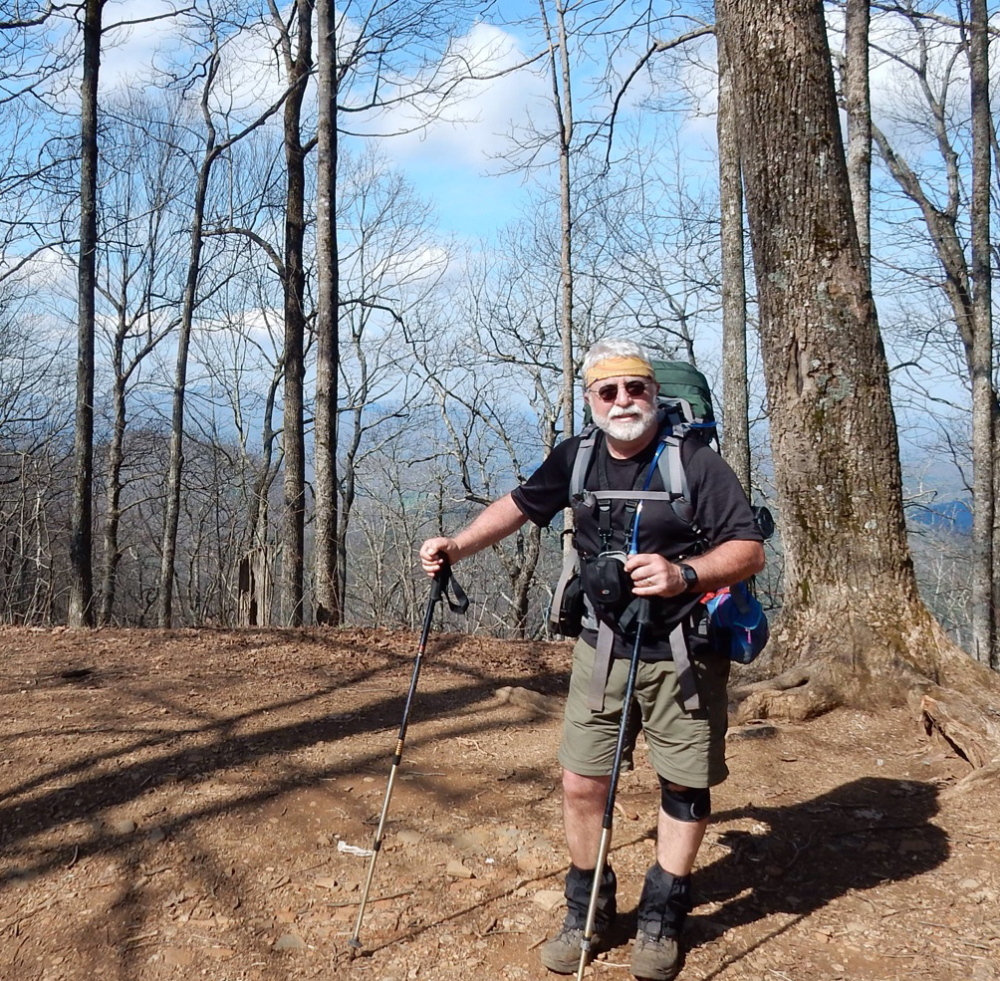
(690, 576)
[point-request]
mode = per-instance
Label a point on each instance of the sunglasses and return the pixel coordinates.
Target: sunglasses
(636, 390)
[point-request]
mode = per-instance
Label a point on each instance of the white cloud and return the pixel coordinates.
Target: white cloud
(475, 124)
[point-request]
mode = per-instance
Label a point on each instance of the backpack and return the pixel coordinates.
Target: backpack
(685, 404)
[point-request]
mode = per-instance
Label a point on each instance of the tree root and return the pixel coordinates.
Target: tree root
(963, 724)
(793, 696)
(977, 779)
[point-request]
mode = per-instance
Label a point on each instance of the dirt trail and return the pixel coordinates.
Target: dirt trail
(184, 805)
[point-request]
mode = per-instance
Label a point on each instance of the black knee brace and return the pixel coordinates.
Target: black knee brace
(688, 805)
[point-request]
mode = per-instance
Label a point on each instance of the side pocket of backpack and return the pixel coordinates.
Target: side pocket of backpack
(567, 609)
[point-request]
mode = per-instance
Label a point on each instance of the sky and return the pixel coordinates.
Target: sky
(455, 161)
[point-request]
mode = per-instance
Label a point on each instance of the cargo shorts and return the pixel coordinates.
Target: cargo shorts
(686, 748)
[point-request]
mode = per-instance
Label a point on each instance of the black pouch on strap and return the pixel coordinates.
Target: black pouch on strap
(567, 609)
(606, 582)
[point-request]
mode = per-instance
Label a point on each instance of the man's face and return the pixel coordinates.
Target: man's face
(624, 407)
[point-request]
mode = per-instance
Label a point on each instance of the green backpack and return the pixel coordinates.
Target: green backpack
(684, 386)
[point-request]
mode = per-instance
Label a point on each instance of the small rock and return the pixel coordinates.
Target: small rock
(990, 896)
(220, 953)
(752, 731)
(407, 837)
(178, 957)
(532, 700)
(458, 871)
(156, 835)
(327, 882)
(124, 827)
(549, 899)
(290, 942)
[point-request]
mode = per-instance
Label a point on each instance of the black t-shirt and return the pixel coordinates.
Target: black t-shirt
(721, 513)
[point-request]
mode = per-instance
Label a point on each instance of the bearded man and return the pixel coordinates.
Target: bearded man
(680, 689)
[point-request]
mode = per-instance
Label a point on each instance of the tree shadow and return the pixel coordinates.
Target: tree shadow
(88, 783)
(797, 859)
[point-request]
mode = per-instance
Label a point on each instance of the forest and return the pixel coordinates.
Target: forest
(247, 366)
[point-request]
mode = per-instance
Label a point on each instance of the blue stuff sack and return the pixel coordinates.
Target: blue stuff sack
(737, 624)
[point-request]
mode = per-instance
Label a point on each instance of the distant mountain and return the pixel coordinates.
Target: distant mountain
(953, 516)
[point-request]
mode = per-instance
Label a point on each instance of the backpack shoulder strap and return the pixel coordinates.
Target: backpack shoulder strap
(675, 427)
(581, 462)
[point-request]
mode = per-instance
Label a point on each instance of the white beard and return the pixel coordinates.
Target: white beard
(628, 424)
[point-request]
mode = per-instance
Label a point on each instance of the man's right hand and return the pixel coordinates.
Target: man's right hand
(435, 551)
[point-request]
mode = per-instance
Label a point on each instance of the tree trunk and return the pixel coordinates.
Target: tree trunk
(983, 572)
(736, 406)
(328, 576)
(113, 512)
(562, 104)
(175, 467)
(293, 438)
(81, 592)
(853, 624)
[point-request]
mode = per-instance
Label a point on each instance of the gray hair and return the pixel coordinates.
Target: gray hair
(610, 347)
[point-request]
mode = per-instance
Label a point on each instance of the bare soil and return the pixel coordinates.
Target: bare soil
(188, 804)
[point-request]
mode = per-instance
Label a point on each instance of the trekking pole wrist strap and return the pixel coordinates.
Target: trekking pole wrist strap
(458, 602)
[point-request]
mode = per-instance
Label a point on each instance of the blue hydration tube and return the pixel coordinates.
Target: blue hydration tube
(633, 547)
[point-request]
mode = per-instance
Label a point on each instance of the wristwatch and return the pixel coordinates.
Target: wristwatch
(689, 575)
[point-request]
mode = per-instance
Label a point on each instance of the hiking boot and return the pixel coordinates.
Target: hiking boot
(562, 953)
(655, 958)
(663, 906)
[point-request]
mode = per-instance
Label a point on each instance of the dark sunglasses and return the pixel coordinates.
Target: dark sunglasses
(636, 389)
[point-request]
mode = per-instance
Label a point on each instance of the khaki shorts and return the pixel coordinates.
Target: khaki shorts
(687, 748)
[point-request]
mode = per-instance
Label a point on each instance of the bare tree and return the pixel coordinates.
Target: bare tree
(984, 586)
(212, 149)
(137, 273)
(81, 613)
(857, 101)
(933, 61)
(735, 389)
(328, 579)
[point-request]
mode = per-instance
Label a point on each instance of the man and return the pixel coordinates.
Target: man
(687, 747)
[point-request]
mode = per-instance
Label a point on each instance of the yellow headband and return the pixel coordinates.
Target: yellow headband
(614, 367)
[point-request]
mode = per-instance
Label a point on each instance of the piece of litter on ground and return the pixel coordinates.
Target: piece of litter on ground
(342, 846)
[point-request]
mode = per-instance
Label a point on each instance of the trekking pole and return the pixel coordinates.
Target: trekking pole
(442, 580)
(642, 618)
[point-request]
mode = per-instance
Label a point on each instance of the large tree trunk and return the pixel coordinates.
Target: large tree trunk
(81, 586)
(328, 576)
(853, 623)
